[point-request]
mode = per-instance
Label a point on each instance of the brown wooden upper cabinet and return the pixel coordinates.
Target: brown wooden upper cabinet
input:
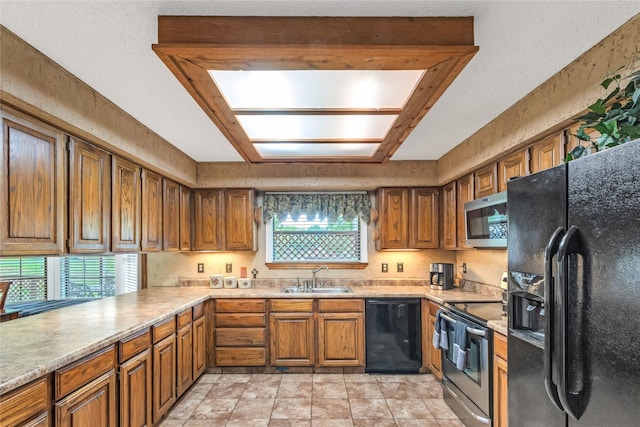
(408, 218)
(464, 194)
(487, 180)
(449, 233)
(170, 215)
(240, 230)
(547, 153)
(89, 198)
(424, 218)
(125, 205)
(512, 166)
(31, 210)
(393, 209)
(186, 214)
(151, 211)
(208, 220)
(224, 220)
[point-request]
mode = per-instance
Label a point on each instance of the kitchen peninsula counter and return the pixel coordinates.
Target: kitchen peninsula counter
(34, 346)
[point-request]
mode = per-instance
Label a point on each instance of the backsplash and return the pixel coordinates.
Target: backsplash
(276, 283)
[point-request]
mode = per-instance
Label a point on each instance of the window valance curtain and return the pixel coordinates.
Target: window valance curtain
(325, 205)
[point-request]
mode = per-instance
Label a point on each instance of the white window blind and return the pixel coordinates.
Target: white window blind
(126, 273)
(28, 277)
(88, 277)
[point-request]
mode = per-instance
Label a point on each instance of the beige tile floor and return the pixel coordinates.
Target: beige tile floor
(333, 400)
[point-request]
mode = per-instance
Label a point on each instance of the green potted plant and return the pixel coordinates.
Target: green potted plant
(616, 117)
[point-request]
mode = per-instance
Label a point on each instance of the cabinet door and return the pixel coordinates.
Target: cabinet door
(393, 208)
(424, 218)
(434, 356)
(465, 194)
(125, 205)
(31, 210)
(547, 153)
(449, 214)
(517, 164)
(185, 218)
(291, 339)
(185, 358)
(209, 221)
(89, 198)
(151, 211)
(91, 405)
(486, 180)
(341, 339)
(500, 392)
(135, 391)
(199, 347)
(170, 215)
(239, 227)
(164, 376)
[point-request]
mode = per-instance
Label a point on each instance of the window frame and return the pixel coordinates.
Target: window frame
(282, 265)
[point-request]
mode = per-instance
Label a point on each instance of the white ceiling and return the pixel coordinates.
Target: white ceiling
(107, 44)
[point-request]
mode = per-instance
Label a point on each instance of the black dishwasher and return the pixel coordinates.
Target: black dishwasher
(393, 335)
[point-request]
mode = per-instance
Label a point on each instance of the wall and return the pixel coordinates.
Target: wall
(483, 265)
(317, 177)
(165, 269)
(34, 84)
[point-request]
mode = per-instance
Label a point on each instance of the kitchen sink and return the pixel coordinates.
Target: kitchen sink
(323, 290)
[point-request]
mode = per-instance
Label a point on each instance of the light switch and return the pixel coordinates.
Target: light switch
(400, 267)
(229, 268)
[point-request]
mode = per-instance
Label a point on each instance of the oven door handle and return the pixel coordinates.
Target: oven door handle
(473, 331)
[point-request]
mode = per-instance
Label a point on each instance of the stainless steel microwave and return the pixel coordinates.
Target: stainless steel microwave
(486, 221)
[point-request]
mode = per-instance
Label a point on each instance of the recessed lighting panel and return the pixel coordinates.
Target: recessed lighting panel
(301, 150)
(316, 89)
(312, 127)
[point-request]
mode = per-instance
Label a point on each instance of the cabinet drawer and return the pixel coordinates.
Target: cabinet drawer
(241, 356)
(74, 376)
(23, 403)
(340, 305)
(133, 345)
(239, 320)
(500, 345)
(433, 308)
(235, 337)
(184, 318)
(163, 329)
(198, 311)
(240, 305)
(298, 305)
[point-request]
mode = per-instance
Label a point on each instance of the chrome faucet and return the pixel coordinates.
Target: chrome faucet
(313, 274)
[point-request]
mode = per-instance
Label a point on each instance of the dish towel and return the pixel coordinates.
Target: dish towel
(460, 345)
(444, 339)
(436, 331)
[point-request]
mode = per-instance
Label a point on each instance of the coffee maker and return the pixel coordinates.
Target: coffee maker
(441, 276)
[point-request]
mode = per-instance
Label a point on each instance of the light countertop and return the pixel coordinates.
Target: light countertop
(33, 346)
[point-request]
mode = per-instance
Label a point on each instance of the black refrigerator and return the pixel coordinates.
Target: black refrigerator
(574, 293)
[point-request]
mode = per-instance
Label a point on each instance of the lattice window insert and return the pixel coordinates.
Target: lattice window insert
(316, 241)
(28, 277)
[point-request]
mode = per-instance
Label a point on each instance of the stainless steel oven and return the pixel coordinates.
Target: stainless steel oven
(468, 391)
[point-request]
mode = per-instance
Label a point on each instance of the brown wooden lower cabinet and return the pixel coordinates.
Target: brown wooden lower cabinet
(184, 341)
(500, 388)
(340, 339)
(27, 405)
(292, 339)
(164, 376)
(434, 361)
(135, 391)
(240, 332)
(91, 405)
(199, 347)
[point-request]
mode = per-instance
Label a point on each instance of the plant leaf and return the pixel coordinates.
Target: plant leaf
(577, 152)
(606, 82)
(598, 107)
(611, 95)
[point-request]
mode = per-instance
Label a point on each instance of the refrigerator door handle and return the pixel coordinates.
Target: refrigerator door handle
(573, 402)
(549, 329)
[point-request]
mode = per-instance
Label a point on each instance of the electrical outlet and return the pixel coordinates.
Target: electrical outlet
(464, 267)
(201, 267)
(228, 268)
(400, 267)
(385, 267)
